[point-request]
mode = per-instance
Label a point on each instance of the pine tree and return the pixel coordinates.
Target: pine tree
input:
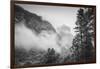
(82, 43)
(50, 57)
(76, 48)
(88, 34)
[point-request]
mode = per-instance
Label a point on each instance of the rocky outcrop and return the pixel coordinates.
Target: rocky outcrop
(32, 20)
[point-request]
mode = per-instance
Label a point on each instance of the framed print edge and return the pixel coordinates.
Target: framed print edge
(12, 32)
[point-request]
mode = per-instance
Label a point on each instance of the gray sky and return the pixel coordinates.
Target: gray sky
(56, 15)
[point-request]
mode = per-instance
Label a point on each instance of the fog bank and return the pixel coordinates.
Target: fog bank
(27, 38)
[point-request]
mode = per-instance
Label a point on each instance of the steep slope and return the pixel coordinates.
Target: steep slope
(31, 20)
(34, 37)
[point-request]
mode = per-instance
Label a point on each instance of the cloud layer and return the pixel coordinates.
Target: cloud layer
(27, 38)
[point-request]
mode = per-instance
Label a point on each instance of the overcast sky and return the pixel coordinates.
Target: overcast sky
(56, 15)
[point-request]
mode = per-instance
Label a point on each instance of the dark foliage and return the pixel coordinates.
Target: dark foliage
(83, 49)
(51, 57)
(34, 56)
(20, 55)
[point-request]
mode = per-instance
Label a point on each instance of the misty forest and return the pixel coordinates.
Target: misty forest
(38, 42)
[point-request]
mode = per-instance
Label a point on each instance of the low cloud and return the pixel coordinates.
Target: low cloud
(27, 38)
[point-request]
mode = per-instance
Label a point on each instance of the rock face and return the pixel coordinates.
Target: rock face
(36, 39)
(31, 20)
(33, 37)
(32, 31)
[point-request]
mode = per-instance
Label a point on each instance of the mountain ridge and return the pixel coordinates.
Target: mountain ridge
(32, 20)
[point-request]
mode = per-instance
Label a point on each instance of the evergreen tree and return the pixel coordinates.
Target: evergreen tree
(82, 43)
(50, 57)
(76, 48)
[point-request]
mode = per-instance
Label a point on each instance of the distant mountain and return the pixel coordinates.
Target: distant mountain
(25, 22)
(32, 20)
